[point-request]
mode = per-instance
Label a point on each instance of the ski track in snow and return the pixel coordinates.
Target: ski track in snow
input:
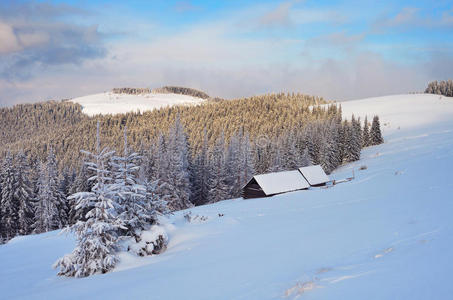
(385, 235)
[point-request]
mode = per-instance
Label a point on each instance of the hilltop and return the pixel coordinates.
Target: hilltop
(124, 100)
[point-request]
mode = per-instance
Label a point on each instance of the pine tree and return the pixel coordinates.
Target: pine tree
(277, 164)
(375, 133)
(246, 168)
(366, 134)
(291, 158)
(353, 140)
(80, 184)
(305, 158)
(46, 208)
(202, 174)
(178, 166)
(9, 205)
(23, 192)
(51, 205)
(219, 189)
(97, 236)
(154, 205)
(330, 156)
(232, 173)
(130, 195)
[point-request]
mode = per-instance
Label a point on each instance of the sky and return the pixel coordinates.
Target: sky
(339, 50)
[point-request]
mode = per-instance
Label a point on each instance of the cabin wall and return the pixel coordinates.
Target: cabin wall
(252, 190)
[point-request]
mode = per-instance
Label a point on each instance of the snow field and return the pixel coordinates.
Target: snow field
(387, 234)
(110, 103)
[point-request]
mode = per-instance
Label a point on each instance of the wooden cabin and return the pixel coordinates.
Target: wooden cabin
(314, 175)
(270, 184)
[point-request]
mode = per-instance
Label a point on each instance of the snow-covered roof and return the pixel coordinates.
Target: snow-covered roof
(281, 182)
(314, 174)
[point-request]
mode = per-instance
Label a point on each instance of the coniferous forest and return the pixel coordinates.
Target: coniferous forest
(443, 87)
(62, 169)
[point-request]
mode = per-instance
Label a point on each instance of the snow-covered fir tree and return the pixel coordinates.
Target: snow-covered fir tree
(153, 204)
(23, 192)
(80, 184)
(365, 134)
(46, 209)
(178, 166)
(97, 236)
(330, 155)
(232, 161)
(246, 167)
(130, 194)
(50, 203)
(375, 132)
(290, 157)
(160, 173)
(305, 158)
(277, 163)
(201, 174)
(312, 134)
(9, 204)
(352, 140)
(218, 188)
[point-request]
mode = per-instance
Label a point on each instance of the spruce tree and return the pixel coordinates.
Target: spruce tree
(80, 184)
(232, 161)
(375, 133)
(9, 205)
(178, 166)
(50, 205)
(202, 174)
(329, 152)
(366, 134)
(246, 168)
(97, 237)
(218, 188)
(353, 140)
(130, 195)
(46, 206)
(23, 192)
(305, 158)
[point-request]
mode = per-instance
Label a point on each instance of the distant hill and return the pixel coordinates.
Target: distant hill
(69, 126)
(124, 100)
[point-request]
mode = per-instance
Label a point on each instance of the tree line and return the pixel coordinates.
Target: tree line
(35, 128)
(444, 87)
(35, 194)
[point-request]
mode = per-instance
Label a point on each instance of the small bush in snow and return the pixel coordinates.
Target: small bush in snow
(153, 241)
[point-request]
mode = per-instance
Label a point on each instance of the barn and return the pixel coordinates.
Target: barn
(270, 184)
(314, 175)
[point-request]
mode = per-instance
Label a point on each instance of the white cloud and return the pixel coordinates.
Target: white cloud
(9, 42)
(222, 58)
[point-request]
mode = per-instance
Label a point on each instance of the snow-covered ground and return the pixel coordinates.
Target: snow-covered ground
(388, 234)
(111, 103)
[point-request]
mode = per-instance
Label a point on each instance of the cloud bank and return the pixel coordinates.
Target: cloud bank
(45, 54)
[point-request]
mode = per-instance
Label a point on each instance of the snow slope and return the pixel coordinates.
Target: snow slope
(387, 234)
(110, 103)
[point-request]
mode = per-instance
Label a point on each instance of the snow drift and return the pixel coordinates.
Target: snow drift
(385, 235)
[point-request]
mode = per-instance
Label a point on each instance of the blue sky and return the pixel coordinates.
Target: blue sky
(336, 49)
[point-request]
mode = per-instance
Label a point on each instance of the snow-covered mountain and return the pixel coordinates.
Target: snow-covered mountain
(112, 103)
(387, 234)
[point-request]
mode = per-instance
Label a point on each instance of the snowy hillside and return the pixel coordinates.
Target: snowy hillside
(387, 234)
(111, 103)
